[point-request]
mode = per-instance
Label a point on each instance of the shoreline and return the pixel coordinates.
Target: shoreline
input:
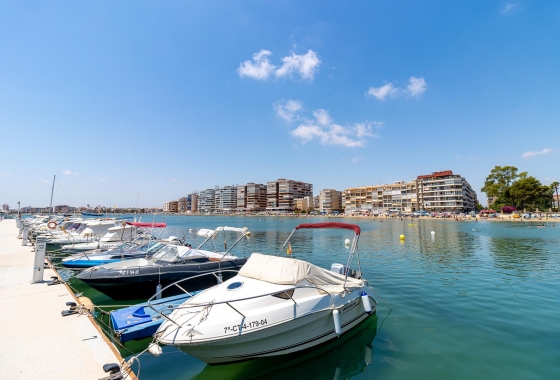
(503, 218)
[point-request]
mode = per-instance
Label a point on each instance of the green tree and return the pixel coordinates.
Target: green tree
(554, 185)
(529, 193)
(498, 184)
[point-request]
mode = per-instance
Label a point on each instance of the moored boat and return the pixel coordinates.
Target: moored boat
(273, 306)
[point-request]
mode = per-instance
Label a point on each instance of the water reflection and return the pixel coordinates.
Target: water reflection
(341, 358)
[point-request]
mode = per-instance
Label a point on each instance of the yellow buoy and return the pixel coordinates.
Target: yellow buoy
(402, 237)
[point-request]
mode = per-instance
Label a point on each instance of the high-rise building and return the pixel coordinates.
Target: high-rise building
(225, 199)
(282, 193)
(194, 202)
(251, 197)
(184, 203)
(445, 191)
(330, 200)
(207, 201)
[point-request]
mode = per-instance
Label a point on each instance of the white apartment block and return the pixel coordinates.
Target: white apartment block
(165, 206)
(251, 197)
(444, 191)
(206, 201)
(225, 199)
(330, 200)
(282, 193)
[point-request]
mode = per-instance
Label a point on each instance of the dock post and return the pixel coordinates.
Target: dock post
(25, 236)
(20, 229)
(39, 265)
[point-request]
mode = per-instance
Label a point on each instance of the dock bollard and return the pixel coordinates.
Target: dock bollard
(25, 236)
(39, 264)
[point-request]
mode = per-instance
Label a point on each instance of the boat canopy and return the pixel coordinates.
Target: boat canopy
(234, 229)
(347, 226)
(288, 271)
(147, 224)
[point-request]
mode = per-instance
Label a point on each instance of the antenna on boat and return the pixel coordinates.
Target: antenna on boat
(52, 191)
(136, 208)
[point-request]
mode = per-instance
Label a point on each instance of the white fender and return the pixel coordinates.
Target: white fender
(365, 302)
(154, 349)
(336, 318)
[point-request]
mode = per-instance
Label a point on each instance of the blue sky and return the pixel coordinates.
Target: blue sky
(156, 99)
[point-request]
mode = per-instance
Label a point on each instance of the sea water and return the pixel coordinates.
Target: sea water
(473, 300)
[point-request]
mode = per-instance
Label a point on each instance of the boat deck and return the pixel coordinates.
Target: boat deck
(37, 342)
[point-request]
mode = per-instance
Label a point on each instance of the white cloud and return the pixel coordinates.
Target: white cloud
(416, 87)
(383, 92)
(44, 181)
(327, 132)
(532, 154)
(509, 8)
(288, 110)
(260, 68)
(103, 179)
(305, 65)
(173, 179)
(357, 159)
(70, 172)
(7, 174)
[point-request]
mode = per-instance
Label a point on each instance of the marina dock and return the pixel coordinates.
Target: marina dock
(37, 341)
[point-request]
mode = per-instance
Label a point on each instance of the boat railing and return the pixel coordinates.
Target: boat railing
(228, 302)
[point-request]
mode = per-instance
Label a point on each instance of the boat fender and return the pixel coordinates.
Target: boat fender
(365, 302)
(154, 349)
(336, 318)
(158, 291)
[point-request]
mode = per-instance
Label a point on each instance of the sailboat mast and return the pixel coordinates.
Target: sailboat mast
(52, 191)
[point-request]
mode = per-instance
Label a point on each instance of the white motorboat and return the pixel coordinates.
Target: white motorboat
(273, 306)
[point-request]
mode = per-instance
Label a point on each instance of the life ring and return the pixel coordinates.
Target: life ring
(51, 225)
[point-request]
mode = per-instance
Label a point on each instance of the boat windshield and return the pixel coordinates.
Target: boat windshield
(153, 248)
(166, 255)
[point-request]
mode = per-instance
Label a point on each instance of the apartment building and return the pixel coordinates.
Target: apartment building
(398, 196)
(194, 202)
(282, 193)
(183, 205)
(330, 200)
(304, 204)
(225, 199)
(251, 197)
(436, 192)
(445, 192)
(206, 201)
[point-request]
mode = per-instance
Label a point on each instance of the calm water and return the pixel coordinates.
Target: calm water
(476, 300)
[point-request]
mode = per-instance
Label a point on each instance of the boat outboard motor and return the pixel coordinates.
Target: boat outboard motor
(343, 270)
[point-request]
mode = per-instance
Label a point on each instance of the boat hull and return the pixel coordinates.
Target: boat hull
(141, 282)
(296, 335)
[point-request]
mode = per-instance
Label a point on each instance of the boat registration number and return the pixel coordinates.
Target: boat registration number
(245, 326)
(128, 272)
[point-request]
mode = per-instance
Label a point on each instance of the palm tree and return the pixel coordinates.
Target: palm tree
(554, 186)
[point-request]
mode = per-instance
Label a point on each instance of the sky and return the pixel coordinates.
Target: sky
(141, 102)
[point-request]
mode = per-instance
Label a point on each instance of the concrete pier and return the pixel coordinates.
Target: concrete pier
(36, 341)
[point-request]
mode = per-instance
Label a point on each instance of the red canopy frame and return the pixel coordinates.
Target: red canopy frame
(147, 224)
(347, 226)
